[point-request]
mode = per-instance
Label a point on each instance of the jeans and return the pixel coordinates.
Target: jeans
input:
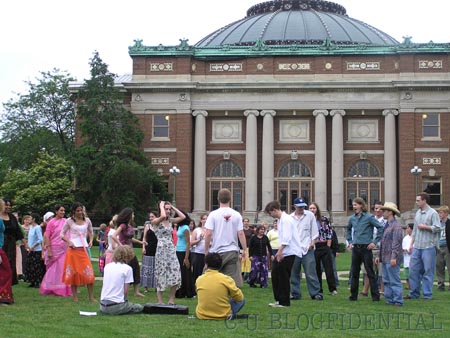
(336, 277)
(421, 271)
(309, 265)
(360, 254)
(236, 306)
(393, 290)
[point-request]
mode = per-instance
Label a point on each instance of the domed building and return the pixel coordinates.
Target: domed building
(296, 99)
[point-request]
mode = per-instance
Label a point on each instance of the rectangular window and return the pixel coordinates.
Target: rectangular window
(160, 127)
(432, 186)
(430, 127)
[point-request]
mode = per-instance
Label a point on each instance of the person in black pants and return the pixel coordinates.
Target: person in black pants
(288, 249)
(361, 242)
(323, 252)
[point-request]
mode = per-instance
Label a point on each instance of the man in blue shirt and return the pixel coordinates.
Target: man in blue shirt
(361, 242)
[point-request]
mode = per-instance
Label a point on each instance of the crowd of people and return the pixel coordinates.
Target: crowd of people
(213, 260)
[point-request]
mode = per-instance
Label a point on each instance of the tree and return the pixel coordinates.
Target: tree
(112, 171)
(39, 188)
(41, 119)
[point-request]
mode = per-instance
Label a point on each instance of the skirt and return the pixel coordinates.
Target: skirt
(36, 267)
(78, 268)
(246, 265)
(6, 295)
(148, 272)
(134, 263)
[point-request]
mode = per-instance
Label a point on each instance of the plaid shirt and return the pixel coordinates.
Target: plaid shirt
(391, 242)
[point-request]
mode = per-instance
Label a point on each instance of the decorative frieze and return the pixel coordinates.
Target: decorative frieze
(370, 65)
(294, 131)
(294, 66)
(362, 131)
(161, 67)
(431, 161)
(160, 161)
(430, 64)
(225, 67)
(226, 131)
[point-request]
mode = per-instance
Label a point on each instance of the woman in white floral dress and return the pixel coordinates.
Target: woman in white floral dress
(167, 268)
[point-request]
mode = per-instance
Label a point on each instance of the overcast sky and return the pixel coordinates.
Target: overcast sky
(39, 35)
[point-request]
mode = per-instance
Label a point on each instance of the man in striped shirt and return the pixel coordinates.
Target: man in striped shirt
(424, 242)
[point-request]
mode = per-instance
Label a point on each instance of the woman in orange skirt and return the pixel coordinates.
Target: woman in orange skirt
(77, 266)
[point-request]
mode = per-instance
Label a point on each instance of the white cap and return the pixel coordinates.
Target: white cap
(48, 215)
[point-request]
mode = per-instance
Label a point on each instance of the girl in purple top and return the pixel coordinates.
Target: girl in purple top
(125, 235)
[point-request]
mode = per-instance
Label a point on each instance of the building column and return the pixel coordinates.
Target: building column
(320, 159)
(337, 162)
(251, 161)
(268, 162)
(390, 156)
(200, 161)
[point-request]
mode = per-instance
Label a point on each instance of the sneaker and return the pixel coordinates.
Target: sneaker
(295, 298)
(441, 287)
(273, 304)
(276, 305)
(334, 293)
(352, 299)
(318, 297)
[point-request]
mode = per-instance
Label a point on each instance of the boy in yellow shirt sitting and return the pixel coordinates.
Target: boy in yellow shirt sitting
(218, 296)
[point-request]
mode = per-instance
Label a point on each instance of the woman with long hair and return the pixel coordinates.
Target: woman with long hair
(77, 266)
(125, 235)
(6, 295)
(183, 248)
(12, 234)
(55, 255)
(323, 252)
(167, 268)
(149, 245)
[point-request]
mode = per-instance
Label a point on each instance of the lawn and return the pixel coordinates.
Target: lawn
(34, 315)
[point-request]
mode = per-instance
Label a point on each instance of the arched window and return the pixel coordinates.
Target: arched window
(363, 168)
(363, 180)
(227, 174)
(294, 169)
(293, 180)
(227, 169)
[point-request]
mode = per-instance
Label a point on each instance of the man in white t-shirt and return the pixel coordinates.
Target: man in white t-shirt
(223, 228)
(118, 276)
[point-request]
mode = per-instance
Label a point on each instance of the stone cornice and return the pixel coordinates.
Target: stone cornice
(261, 49)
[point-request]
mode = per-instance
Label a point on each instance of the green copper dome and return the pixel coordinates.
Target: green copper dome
(297, 22)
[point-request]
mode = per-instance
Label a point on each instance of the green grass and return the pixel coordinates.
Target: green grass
(34, 315)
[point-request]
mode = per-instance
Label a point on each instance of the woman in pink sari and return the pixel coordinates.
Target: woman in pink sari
(55, 254)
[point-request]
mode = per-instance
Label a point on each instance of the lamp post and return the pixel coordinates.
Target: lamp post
(416, 171)
(174, 171)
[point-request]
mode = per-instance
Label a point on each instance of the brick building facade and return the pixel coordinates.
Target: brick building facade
(270, 118)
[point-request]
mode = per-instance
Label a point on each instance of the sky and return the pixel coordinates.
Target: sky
(39, 35)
